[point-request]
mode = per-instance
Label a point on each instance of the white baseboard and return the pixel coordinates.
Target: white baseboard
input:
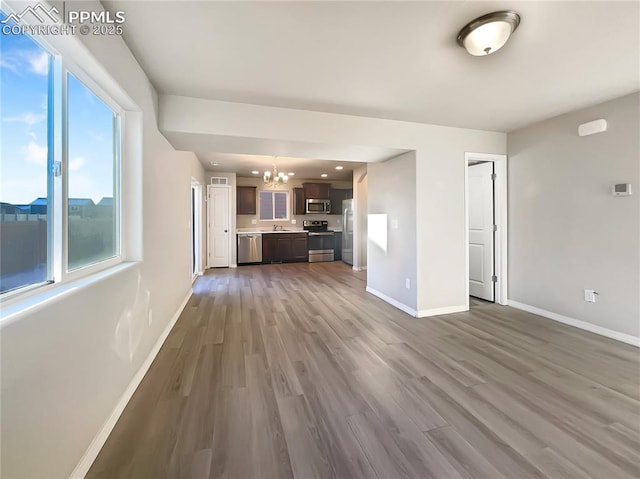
(392, 301)
(423, 313)
(94, 448)
(577, 323)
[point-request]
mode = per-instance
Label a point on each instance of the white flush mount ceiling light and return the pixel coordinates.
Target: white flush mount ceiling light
(488, 33)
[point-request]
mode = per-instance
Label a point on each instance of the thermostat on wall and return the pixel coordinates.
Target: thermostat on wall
(621, 189)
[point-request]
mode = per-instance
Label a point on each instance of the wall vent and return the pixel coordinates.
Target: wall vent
(219, 180)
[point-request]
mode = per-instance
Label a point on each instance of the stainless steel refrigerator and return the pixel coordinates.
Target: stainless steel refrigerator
(347, 231)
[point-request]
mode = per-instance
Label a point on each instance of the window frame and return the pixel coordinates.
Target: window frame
(287, 203)
(90, 84)
(58, 273)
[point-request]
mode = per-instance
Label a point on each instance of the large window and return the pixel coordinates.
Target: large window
(92, 163)
(273, 205)
(59, 169)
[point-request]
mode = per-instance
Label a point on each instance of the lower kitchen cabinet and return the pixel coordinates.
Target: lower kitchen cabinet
(284, 248)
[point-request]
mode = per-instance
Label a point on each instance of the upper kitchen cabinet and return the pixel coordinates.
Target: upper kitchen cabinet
(246, 200)
(317, 191)
(299, 206)
(336, 196)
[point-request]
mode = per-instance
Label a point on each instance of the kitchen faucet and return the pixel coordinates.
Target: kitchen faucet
(277, 227)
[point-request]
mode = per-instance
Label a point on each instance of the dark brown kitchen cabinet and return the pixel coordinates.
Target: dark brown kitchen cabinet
(317, 191)
(336, 196)
(337, 248)
(299, 206)
(284, 248)
(246, 200)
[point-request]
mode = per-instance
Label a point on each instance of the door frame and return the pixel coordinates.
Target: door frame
(500, 218)
(196, 228)
(230, 212)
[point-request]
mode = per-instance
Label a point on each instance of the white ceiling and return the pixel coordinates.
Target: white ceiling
(395, 60)
(304, 168)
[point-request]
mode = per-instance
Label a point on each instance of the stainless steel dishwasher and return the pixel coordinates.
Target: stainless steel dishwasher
(249, 248)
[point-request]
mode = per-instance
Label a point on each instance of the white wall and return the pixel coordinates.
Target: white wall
(440, 165)
(394, 184)
(66, 365)
(566, 231)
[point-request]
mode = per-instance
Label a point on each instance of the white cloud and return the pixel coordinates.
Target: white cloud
(27, 118)
(39, 63)
(95, 136)
(82, 186)
(76, 163)
(23, 191)
(9, 64)
(35, 153)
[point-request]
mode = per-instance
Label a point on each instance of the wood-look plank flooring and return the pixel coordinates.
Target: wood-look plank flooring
(293, 370)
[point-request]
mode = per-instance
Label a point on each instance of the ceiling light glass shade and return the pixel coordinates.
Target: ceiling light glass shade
(274, 178)
(489, 33)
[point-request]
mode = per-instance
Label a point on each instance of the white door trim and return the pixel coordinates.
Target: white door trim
(501, 238)
(196, 229)
(230, 212)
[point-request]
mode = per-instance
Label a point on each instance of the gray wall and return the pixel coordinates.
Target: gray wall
(566, 231)
(392, 185)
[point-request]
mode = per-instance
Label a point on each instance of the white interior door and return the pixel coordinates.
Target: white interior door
(481, 231)
(218, 226)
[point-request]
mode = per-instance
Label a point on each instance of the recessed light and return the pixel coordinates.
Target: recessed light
(324, 175)
(292, 174)
(339, 167)
(255, 172)
(214, 163)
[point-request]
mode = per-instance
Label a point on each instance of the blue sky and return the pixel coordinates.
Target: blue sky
(23, 124)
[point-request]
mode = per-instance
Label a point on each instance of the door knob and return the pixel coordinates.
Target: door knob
(226, 231)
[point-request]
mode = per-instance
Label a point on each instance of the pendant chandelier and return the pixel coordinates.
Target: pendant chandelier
(274, 178)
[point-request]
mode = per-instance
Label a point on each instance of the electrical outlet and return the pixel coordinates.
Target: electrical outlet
(407, 283)
(590, 295)
(254, 221)
(293, 221)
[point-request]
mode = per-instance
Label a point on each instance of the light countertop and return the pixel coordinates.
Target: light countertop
(264, 232)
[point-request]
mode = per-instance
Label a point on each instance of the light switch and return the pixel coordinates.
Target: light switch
(394, 224)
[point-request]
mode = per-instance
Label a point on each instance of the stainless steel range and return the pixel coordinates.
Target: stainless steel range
(321, 241)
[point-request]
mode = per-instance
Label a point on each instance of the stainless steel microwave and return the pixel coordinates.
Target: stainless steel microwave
(318, 207)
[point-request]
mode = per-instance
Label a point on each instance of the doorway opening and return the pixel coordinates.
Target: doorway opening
(196, 228)
(486, 228)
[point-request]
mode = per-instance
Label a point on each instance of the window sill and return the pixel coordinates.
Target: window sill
(14, 308)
